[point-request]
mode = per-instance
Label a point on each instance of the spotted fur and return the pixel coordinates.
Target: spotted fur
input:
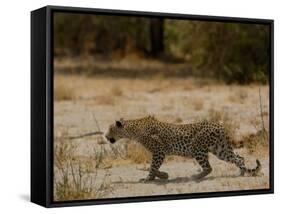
(190, 140)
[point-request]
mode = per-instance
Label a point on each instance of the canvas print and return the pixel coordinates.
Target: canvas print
(150, 106)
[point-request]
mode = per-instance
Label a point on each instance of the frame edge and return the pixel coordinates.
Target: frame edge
(38, 108)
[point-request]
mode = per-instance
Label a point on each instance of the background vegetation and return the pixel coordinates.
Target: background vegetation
(231, 52)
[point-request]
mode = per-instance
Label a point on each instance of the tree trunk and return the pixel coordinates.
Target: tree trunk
(156, 36)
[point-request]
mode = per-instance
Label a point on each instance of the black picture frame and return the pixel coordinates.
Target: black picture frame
(42, 105)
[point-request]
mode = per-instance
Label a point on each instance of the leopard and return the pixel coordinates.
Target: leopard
(194, 140)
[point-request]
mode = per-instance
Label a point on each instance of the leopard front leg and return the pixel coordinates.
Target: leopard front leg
(157, 160)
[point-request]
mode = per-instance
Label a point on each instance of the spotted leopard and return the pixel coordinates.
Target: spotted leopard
(194, 140)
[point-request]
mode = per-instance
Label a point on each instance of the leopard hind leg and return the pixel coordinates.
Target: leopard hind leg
(202, 157)
(227, 154)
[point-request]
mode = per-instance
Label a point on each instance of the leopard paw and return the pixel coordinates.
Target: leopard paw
(163, 175)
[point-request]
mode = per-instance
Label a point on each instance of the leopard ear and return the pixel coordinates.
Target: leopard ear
(118, 123)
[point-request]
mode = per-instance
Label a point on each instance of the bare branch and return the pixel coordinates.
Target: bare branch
(86, 135)
(261, 110)
(97, 124)
(261, 113)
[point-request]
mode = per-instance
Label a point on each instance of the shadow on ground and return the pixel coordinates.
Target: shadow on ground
(176, 180)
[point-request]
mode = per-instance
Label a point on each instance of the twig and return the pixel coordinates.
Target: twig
(261, 112)
(97, 124)
(86, 135)
(99, 132)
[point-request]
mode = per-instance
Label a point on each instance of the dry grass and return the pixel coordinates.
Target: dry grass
(104, 100)
(230, 125)
(116, 91)
(198, 104)
(256, 143)
(74, 177)
(256, 122)
(238, 96)
(63, 91)
(137, 153)
(178, 120)
(188, 87)
(109, 97)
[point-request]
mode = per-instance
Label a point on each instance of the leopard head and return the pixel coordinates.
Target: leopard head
(116, 131)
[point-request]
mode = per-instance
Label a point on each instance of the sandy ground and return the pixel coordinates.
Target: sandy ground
(171, 100)
(124, 180)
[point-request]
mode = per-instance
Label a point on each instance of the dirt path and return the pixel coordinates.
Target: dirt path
(124, 180)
